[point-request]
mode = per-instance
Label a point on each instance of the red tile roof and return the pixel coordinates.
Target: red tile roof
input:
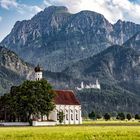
(66, 97)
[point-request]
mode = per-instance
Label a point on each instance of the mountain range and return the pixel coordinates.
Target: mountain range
(73, 48)
(56, 38)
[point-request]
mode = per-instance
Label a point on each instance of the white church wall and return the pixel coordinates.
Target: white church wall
(43, 123)
(72, 114)
(53, 115)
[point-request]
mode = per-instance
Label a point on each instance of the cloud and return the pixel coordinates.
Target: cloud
(111, 9)
(26, 9)
(21, 8)
(0, 18)
(8, 3)
(73, 5)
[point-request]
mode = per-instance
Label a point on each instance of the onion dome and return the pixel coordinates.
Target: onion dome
(38, 69)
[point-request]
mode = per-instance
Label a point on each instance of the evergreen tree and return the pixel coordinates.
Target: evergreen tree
(92, 115)
(107, 116)
(128, 116)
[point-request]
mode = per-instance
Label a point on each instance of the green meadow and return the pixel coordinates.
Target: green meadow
(88, 131)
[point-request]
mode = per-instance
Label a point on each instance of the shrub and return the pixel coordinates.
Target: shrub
(92, 115)
(121, 116)
(137, 117)
(61, 116)
(98, 116)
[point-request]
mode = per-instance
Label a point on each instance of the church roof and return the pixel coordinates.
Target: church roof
(38, 68)
(66, 97)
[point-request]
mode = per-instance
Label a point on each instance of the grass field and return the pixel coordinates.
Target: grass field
(112, 122)
(83, 132)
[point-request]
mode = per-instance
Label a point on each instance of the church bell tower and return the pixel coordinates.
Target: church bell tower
(38, 73)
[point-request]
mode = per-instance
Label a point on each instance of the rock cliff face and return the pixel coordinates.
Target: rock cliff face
(13, 70)
(56, 38)
(124, 31)
(115, 64)
(11, 61)
(134, 42)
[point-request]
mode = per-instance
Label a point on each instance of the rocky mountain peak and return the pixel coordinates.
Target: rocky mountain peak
(55, 36)
(52, 9)
(119, 22)
(93, 18)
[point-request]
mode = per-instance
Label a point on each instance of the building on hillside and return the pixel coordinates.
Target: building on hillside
(89, 86)
(65, 101)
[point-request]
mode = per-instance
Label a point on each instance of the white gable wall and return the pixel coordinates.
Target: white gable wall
(72, 114)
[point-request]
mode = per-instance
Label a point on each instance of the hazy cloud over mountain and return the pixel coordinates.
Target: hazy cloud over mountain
(111, 9)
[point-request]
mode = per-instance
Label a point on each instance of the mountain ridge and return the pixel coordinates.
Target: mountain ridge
(118, 71)
(55, 36)
(114, 92)
(73, 48)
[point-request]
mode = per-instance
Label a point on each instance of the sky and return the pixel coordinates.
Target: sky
(17, 10)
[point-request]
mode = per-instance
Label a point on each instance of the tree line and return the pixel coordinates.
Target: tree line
(28, 101)
(119, 116)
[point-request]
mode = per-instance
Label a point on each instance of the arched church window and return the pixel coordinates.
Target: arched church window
(71, 114)
(66, 114)
(76, 112)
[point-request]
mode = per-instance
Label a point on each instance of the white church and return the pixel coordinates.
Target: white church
(65, 102)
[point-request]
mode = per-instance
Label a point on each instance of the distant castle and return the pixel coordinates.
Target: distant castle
(90, 86)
